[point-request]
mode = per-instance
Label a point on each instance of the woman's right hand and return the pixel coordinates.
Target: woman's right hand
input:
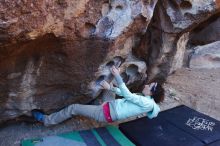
(115, 71)
(105, 85)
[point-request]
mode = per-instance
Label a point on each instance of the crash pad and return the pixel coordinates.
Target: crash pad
(104, 136)
(180, 126)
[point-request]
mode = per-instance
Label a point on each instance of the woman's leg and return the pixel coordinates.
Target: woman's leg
(91, 111)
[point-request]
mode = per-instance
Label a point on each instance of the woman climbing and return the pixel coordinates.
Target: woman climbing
(116, 109)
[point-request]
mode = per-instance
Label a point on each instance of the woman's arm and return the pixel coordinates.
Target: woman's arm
(137, 99)
(116, 91)
(107, 86)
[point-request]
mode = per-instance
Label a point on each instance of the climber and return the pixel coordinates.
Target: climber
(117, 109)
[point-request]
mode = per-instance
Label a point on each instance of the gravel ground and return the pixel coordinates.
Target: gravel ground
(196, 88)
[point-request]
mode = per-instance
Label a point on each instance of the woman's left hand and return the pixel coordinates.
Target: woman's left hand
(115, 71)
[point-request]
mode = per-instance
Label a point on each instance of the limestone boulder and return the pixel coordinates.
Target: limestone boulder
(54, 53)
(207, 56)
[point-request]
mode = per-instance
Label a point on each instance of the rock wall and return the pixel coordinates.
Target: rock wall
(169, 32)
(202, 49)
(54, 53)
(207, 32)
(206, 56)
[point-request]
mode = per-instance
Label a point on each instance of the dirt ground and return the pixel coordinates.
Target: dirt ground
(196, 88)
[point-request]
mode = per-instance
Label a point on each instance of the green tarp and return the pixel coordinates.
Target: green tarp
(104, 136)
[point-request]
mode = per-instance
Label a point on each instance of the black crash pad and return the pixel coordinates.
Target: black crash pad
(180, 126)
(216, 143)
(156, 132)
(201, 126)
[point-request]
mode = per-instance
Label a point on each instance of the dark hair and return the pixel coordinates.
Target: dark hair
(158, 93)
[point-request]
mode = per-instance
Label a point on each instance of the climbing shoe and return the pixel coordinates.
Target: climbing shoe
(38, 115)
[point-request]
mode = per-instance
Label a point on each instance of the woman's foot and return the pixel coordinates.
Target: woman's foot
(38, 115)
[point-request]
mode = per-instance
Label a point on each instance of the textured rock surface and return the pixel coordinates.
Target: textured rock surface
(207, 32)
(207, 56)
(53, 53)
(168, 39)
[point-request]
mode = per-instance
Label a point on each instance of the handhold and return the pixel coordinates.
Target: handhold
(132, 70)
(118, 60)
(185, 5)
